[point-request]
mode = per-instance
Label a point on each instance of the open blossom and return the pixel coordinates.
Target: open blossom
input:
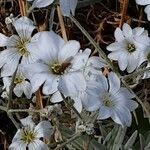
(54, 69)
(18, 47)
(29, 136)
(110, 99)
(129, 45)
(21, 84)
(147, 8)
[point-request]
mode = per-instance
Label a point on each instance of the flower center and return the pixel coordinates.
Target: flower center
(131, 48)
(21, 46)
(148, 57)
(28, 136)
(107, 101)
(59, 69)
(18, 79)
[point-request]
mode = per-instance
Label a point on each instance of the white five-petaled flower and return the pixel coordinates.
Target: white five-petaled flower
(30, 134)
(147, 8)
(129, 45)
(55, 68)
(21, 84)
(18, 46)
(110, 99)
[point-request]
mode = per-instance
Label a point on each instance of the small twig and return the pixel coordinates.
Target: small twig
(11, 88)
(124, 11)
(24, 110)
(3, 108)
(39, 101)
(13, 120)
(75, 136)
(62, 25)
(22, 8)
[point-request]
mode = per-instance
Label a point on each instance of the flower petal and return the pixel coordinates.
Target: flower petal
(69, 50)
(7, 55)
(114, 83)
(36, 81)
(56, 97)
(44, 129)
(71, 84)
(6, 82)
(41, 3)
(80, 60)
(114, 46)
(49, 45)
(118, 35)
(143, 2)
(104, 113)
(50, 85)
(18, 90)
(147, 11)
(27, 89)
(24, 27)
(133, 61)
(38, 145)
(123, 61)
(91, 103)
(17, 136)
(138, 31)
(27, 122)
(18, 145)
(3, 40)
(68, 6)
(122, 116)
(96, 62)
(10, 67)
(127, 31)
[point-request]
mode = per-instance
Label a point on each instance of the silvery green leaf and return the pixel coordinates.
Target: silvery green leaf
(131, 140)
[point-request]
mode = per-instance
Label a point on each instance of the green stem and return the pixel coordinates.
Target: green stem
(136, 73)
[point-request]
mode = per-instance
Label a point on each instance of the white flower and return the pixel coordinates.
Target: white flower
(129, 45)
(21, 84)
(29, 136)
(40, 3)
(18, 46)
(68, 7)
(110, 99)
(54, 69)
(147, 8)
